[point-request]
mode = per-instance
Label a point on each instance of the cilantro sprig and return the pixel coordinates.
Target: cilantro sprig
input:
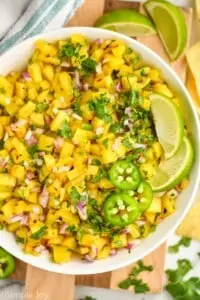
(100, 107)
(132, 280)
(184, 241)
(65, 130)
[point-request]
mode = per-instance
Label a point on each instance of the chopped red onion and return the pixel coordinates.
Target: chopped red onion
(128, 111)
(44, 197)
(77, 81)
(86, 87)
(38, 161)
(99, 130)
(89, 160)
(41, 154)
(26, 76)
(141, 159)
(65, 64)
(119, 86)
(94, 251)
(30, 139)
(115, 145)
(89, 258)
(24, 221)
(77, 117)
(58, 143)
(30, 175)
(40, 248)
(138, 145)
(62, 169)
(4, 162)
(63, 228)
(160, 194)
(125, 230)
(16, 218)
(39, 131)
(140, 222)
(130, 245)
(82, 210)
(42, 218)
(47, 119)
(113, 252)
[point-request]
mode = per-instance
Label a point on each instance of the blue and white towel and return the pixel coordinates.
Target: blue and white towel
(21, 19)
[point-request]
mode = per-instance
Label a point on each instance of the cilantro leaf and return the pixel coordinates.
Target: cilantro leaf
(32, 150)
(74, 195)
(65, 130)
(87, 298)
(1, 144)
(20, 240)
(127, 143)
(115, 128)
(99, 106)
(183, 267)
(105, 143)
(95, 162)
(40, 233)
(184, 241)
(69, 50)
(76, 106)
(2, 90)
(40, 107)
(185, 289)
(102, 174)
(89, 66)
(132, 280)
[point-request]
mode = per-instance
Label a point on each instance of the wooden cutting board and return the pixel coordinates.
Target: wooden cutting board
(62, 287)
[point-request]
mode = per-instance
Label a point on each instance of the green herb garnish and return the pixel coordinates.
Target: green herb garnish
(40, 107)
(74, 195)
(32, 150)
(184, 241)
(69, 50)
(40, 233)
(132, 280)
(20, 240)
(99, 106)
(2, 90)
(127, 143)
(115, 128)
(87, 298)
(95, 162)
(183, 267)
(89, 66)
(102, 174)
(65, 130)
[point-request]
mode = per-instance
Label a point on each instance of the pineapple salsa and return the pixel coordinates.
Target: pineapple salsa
(78, 150)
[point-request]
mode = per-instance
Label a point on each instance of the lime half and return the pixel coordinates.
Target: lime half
(170, 24)
(168, 122)
(170, 172)
(128, 22)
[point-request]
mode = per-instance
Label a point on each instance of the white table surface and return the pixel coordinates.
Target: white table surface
(14, 290)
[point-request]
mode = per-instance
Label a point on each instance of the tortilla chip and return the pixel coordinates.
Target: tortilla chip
(190, 225)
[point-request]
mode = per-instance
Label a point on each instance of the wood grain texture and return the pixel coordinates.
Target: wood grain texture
(88, 13)
(154, 42)
(115, 4)
(45, 285)
(98, 280)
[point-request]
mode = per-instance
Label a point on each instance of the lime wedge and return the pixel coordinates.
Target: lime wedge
(127, 21)
(170, 24)
(168, 122)
(170, 172)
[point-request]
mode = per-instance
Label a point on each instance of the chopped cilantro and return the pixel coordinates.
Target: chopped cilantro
(198, 254)
(183, 267)
(185, 290)
(96, 162)
(69, 50)
(132, 280)
(40, 107)
(76, 106)
(118, 243)
(40, 233)
(105, 143)
(87, 127)
(1, 144)
(1, 226)
(102, 174)
(2, 90)
(99, 106)
(32, 150)
(71, 229)
(74, 195)
(76, 93)
(65, 130)
(184, 241)
(115, 128)
(89, 66)
(20, 240)
(127, 143)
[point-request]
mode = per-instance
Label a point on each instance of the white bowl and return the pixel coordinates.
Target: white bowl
(15, 59)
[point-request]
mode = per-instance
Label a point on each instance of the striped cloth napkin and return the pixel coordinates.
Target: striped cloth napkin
(21, 19)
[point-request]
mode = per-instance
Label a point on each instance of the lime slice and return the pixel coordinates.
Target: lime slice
(127, 21)
(168, 122)
(170, 24)
(170, 172)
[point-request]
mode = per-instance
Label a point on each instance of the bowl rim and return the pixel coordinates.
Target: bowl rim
(84, 30)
